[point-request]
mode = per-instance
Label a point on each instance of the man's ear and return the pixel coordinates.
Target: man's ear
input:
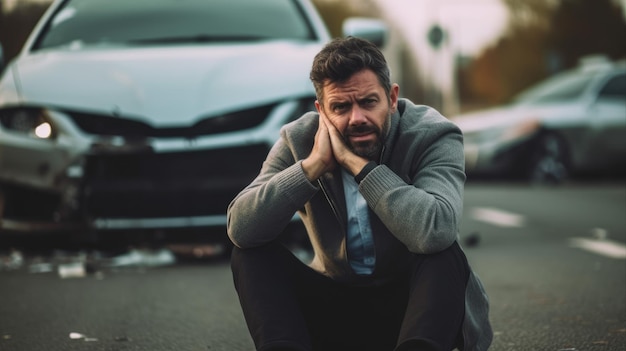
(319, 107)
(393, 96)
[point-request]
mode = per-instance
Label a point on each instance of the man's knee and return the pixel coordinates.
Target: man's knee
(253, 254)
(449, 262)
(270, 257)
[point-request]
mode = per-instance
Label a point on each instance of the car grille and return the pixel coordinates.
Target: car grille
(151, 185)
(98, 124)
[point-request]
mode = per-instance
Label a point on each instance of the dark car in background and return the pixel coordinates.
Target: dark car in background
(151, 114)
(571, 124)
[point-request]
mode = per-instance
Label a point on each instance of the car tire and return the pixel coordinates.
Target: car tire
(549, 161)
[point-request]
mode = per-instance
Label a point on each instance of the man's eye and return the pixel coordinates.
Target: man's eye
(369, 102)
(340, 107)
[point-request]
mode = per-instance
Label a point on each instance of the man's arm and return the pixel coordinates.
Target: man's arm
(423, 212)
(263, 209)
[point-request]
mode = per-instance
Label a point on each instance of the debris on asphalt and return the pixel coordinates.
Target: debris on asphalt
(80, 264)
(122, 339)
(42, 259)
(197, 250)
(472, 240)
(13, 261)
(76, 336)
(143, 258)
(72, 270)
(41, 267)
(79, 336)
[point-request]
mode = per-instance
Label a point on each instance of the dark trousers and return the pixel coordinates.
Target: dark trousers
(289, 306)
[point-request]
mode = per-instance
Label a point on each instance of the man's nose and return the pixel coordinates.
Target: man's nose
(357, 117)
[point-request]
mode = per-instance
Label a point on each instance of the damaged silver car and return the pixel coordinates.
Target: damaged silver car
(150, 113)
(569, 125)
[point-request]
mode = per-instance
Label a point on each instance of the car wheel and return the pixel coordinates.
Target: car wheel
(549, 161)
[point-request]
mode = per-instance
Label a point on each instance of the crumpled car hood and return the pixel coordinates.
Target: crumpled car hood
(166, 86)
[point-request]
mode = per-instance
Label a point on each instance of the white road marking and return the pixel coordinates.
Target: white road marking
(606, 248)
(497, 217)
(599, 245)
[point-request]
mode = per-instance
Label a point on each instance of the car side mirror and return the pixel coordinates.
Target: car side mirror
(370, 29)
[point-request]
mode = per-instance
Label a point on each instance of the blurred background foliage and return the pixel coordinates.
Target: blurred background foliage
(16, 22)
(543, 37)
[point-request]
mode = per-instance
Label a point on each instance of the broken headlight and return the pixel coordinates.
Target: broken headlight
(30, 121)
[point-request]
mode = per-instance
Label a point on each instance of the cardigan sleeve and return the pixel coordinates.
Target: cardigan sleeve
(262, 210)
(423, 212)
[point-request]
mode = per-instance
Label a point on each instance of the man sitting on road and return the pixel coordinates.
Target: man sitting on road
(378, 183)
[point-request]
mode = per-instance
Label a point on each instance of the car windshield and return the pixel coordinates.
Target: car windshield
(562, 87)
(144, 22)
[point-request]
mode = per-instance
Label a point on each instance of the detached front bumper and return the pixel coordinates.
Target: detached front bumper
(166, 190)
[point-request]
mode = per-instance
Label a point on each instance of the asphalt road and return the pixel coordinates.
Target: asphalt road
(548, 293)
(543, 253)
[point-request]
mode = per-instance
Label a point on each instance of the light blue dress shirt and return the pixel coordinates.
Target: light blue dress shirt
(360, 243)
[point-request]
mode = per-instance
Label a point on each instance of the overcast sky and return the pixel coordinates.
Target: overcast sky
(470, 24)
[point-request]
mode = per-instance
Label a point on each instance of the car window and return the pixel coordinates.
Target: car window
(140, 22)
(614, 88)
(559, 88)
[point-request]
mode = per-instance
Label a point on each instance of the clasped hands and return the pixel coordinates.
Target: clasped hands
(330, 150)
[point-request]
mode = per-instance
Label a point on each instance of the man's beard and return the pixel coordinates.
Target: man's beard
(367, 149)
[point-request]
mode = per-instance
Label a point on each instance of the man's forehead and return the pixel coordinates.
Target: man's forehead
(360, 84)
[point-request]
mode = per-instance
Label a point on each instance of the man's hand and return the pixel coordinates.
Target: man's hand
(343, 155)
(321, 159)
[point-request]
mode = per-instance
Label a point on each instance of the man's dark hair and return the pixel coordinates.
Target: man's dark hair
(343, 57)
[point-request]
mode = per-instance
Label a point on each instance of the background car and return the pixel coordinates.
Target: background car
(151, 114)
(573, 123)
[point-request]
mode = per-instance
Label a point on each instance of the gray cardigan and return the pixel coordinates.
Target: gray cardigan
(415, 196)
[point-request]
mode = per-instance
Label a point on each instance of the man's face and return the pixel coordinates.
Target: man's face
(360, 110)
